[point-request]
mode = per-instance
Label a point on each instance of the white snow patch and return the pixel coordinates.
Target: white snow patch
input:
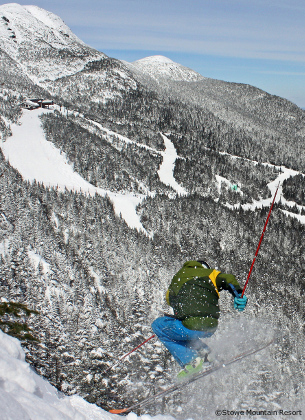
(299, 217)
(229, 184)
(4, 246)
(38, 260)
(97, 281)
(51, 20)
(159, 59)
(166, 170)
(26, 396)
(37, 159)
(37, 29)
(159, 66)
(125, 205)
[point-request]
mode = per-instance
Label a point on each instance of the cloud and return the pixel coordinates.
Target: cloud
(231, 28)
(282, 73)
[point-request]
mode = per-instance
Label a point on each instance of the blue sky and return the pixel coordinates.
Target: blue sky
(259, 42)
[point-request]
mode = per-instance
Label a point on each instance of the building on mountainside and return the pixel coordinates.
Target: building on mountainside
(35, 103)
(27, 104)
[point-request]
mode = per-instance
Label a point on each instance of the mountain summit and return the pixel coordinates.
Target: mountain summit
(42, 43)
(158, 66)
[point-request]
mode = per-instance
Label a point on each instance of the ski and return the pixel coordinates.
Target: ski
(189, 380)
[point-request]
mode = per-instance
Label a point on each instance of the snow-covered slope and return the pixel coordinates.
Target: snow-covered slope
(158, 66)
(35, 158)
(26, 396)
(41, 43)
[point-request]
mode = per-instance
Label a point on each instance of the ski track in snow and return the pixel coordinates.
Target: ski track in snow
(166, 170)
(287, 173)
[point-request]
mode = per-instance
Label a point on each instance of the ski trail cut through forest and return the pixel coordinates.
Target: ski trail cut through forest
(167, 167)
(284, 174)
(35, 158)
(166, 170)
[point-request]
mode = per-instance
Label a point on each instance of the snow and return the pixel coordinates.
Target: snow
(4, 247)
(37, 159)
(113, 137)
(51, 20)
(38, 260)
(35, 29)
(299, 217)
(159, 66)
(97, 282)
(273, 185)
(166, 170)
(158, 59)
(284, 174)
(26, 396)
(221, 180)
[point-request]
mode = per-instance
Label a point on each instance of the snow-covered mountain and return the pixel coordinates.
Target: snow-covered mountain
(41, 43)
(158, 66)
(45, 50)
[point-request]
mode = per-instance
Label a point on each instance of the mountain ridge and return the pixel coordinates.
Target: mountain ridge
(32, 37)
(159, 66)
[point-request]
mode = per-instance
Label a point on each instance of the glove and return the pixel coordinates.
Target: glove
(240, 303)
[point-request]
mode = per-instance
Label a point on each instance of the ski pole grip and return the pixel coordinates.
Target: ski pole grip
(234, 290)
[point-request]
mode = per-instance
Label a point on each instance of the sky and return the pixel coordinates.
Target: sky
(258, 42)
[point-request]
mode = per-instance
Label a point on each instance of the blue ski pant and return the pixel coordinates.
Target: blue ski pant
(181, 342)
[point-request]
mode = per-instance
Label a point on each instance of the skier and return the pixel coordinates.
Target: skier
(193, 294)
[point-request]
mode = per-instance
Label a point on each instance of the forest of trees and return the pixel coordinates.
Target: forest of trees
(294, 189)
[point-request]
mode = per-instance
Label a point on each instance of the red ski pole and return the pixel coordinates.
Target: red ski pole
(260, 241)
(127, 354)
